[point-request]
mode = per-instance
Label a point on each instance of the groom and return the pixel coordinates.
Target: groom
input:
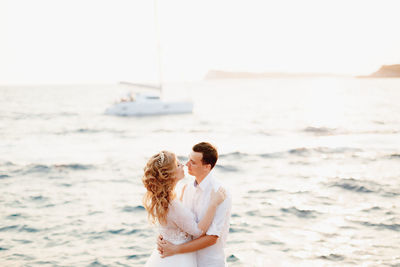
(210, 247)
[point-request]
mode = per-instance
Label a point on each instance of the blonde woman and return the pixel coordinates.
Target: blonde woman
(177, 224)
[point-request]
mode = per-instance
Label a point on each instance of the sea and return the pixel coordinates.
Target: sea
(312, 163)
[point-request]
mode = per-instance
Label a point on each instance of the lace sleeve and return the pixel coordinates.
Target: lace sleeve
(184, 219)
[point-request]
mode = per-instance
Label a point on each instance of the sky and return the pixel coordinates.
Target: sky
(99, 41)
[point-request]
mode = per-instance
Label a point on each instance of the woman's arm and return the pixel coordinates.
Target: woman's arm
(168, 249)
(185, 219)
(213, 233)
(216, 199)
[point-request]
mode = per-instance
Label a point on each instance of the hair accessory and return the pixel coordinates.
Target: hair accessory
(161, 159)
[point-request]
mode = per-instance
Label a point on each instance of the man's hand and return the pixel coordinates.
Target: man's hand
(166, 248)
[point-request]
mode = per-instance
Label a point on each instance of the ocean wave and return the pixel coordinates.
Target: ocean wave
(52, 263)
(36, 168)
(15, 215)
(336, 150)
(21, 256)
(253, 213)
(293, 152)
(134, 231)
(74, 166)
(300, 213)
(65, 185)
(364, 186)
(320, 130)
(239, 230)
(161, 130)
(354, 185)
(85, 130)
(272, 155)
(42, 168)
(19, 228)
(325, 131)
(7, 163)
(322, 150)
(234, 155)
(45, 116)
(270, 242)
(23, 241)
(263, 191)
(120, 231)
(305, 152)
(372, 209)
(25, 228)
(38, 198)
(302, 151)
(88, 131)
(137, 256)
(332, 257)
(232, 258)
(383, 226)
(226, 168)
(8, 228)
(96, 263)
(133, 208)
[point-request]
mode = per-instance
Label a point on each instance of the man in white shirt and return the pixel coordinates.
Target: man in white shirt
(196, 196)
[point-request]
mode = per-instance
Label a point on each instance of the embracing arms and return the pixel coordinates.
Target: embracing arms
(185, 219)
(168, 249)
(212, 234)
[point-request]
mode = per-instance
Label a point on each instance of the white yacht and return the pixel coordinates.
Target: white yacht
(146, 103)
(149, 103)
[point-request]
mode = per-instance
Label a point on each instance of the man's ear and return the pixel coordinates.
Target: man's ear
(209, 167)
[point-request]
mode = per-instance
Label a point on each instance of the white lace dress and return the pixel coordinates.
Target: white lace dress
(181, 225)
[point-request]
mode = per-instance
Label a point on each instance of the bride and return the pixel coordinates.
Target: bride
(177, 224)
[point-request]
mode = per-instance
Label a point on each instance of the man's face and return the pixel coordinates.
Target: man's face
(195, 165)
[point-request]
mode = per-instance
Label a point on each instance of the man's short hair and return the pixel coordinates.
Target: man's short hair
(210, 153)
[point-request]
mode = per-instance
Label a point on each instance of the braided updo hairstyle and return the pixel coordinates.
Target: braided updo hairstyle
(159, 181)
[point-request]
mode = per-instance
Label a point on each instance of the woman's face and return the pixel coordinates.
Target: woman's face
(180, 173)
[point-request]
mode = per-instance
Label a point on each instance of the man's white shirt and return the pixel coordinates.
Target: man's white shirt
(197, 198)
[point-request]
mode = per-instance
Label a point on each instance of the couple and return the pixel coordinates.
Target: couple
(193, 226)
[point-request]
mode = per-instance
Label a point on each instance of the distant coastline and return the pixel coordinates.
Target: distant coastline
(219, 74)
(386, 71)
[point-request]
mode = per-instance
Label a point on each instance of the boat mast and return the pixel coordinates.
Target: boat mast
(157, 31)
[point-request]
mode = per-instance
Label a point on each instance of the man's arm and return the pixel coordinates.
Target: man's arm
(168, 249)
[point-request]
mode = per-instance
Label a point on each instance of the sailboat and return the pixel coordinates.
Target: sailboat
(144, 103)
(150, 102)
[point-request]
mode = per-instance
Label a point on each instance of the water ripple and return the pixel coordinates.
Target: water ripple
(320, 130)
(133, 208)
(96, 263)
(363, 186)
(300, 213)
(42, 168)
(333, 257)
(226, 168)
(393, 227)
(8, 228)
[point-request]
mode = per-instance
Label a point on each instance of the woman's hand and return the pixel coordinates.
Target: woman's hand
(218, 197)
(166, 248)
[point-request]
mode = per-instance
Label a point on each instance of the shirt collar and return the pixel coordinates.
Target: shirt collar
(204, 184)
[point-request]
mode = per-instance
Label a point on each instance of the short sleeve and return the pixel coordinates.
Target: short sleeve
(184, 219)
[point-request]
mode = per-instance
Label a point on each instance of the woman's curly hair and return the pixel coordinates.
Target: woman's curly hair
(159, 181)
